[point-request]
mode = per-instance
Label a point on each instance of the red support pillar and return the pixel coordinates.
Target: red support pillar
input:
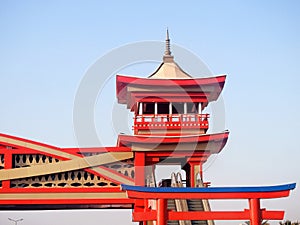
(194, 168)
(139, 180)
(191, 177)
(7, 165)
(161, 212)
(139, 167)
(255, 213)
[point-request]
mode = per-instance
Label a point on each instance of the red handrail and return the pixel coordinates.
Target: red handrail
(175, 118)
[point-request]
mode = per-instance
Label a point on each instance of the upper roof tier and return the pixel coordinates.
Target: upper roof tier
(168, 80)
(205, 89)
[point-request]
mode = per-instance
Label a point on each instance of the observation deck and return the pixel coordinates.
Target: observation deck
(192, 123)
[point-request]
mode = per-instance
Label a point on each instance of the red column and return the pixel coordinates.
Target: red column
(255, 213)
(139, 167)
(192, 175)
(161, 212)
(194, 168)
(139, 180)
(7, 165)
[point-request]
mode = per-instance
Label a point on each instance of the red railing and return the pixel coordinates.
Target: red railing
(174, 121)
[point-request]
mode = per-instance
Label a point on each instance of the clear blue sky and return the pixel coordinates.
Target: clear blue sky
(46, 48)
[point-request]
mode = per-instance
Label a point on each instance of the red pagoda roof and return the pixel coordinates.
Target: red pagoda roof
(210, 86)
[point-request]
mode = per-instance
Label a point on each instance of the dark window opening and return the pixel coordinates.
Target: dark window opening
(163, 108)
(148, 108)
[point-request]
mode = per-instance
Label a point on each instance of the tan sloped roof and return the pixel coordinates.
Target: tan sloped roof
(169, 69)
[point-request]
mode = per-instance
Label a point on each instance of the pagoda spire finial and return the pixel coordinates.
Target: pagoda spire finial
(168, 51)
(168, 57)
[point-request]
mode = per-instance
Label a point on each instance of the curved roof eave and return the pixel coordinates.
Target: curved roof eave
(128, 140)
(124, 81)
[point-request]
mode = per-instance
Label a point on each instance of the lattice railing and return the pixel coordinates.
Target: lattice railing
(125, 167)
(25, 160)
(71, 179)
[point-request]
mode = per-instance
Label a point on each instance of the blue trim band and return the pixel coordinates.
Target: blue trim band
(284, 187)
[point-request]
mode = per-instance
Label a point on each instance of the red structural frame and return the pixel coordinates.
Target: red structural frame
(141, 159)
(253, 194)
(8, 150)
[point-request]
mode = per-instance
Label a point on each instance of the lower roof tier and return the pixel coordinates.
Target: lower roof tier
(210, 143)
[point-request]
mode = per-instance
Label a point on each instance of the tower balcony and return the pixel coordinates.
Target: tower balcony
(171, 124)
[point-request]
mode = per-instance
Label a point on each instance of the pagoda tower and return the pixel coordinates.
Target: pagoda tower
(169, 124)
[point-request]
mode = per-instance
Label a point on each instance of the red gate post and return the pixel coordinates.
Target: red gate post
(255, 212)
(161, 211)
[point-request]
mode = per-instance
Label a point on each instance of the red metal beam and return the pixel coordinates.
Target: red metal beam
(211, 215)
(61, 190)
(82, 201)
